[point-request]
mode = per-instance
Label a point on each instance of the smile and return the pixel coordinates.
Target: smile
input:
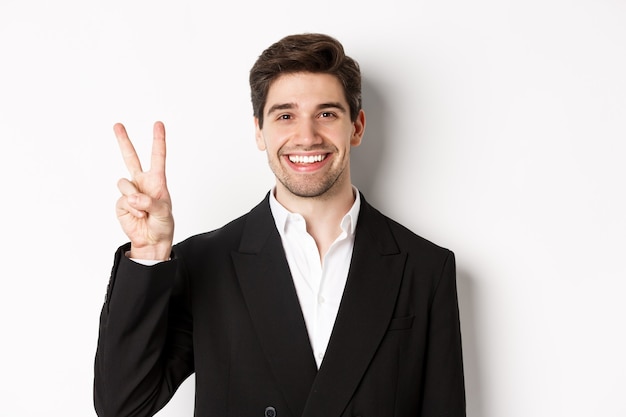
(306, 159)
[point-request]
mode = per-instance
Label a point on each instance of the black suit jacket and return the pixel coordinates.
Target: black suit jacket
(226, 308)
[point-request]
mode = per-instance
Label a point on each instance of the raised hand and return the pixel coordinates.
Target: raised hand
(145, 209)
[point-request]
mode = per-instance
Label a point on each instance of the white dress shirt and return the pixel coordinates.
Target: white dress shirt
(319, 282)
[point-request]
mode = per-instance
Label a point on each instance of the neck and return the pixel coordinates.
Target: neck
(323, 214)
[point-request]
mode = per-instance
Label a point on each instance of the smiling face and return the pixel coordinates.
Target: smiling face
(307, 134)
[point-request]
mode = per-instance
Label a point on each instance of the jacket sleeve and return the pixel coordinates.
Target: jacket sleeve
(444, 387)
(144, 347)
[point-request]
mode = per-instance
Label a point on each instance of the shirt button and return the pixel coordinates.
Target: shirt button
(270, 412)
(320, 300)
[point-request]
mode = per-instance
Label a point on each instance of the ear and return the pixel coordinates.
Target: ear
(258, 134)
(359, 129)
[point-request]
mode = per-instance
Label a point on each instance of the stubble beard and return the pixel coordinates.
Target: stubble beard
(308, 186)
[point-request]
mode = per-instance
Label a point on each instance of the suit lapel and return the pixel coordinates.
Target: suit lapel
(366, 308)
(268, 290)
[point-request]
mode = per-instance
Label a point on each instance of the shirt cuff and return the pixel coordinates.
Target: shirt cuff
(145, 262)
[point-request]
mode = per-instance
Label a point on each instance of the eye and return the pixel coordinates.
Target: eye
(327, 114)
(284, 117)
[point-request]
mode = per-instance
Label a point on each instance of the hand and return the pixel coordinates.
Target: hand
(145, 208)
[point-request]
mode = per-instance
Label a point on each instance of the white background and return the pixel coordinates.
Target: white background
(495, 128)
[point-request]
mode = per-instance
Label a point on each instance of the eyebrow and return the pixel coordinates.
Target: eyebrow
(321, 106)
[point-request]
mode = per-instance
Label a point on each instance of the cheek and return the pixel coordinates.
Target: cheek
(272, 141)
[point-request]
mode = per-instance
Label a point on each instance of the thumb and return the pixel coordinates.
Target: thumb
(145, 203)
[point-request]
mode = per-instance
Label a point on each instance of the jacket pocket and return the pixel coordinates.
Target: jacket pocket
(401, 323)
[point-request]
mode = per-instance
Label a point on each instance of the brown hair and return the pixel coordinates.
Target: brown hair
(310, 52)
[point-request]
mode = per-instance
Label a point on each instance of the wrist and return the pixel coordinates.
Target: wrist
(150, 253)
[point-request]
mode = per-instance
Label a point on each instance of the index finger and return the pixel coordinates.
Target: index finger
(157, 162)
(128, 150)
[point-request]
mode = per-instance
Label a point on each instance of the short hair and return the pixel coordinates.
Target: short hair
(309, 52)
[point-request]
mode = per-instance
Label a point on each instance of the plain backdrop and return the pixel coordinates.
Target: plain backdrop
(495, 128)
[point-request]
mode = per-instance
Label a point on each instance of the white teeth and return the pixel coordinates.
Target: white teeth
(306, 159)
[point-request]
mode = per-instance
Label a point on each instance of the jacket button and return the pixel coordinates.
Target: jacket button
(270, 412)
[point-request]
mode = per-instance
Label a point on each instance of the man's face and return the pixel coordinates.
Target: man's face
(307, 134)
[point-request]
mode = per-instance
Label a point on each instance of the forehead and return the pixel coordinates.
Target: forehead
(305, 88)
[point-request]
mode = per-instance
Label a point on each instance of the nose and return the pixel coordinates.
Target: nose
(306, 133)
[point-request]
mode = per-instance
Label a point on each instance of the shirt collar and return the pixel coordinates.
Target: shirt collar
(282, 216)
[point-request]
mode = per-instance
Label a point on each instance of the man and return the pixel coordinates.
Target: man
(312, 304)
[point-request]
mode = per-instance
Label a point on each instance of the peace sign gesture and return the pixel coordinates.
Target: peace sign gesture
(145, 209)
